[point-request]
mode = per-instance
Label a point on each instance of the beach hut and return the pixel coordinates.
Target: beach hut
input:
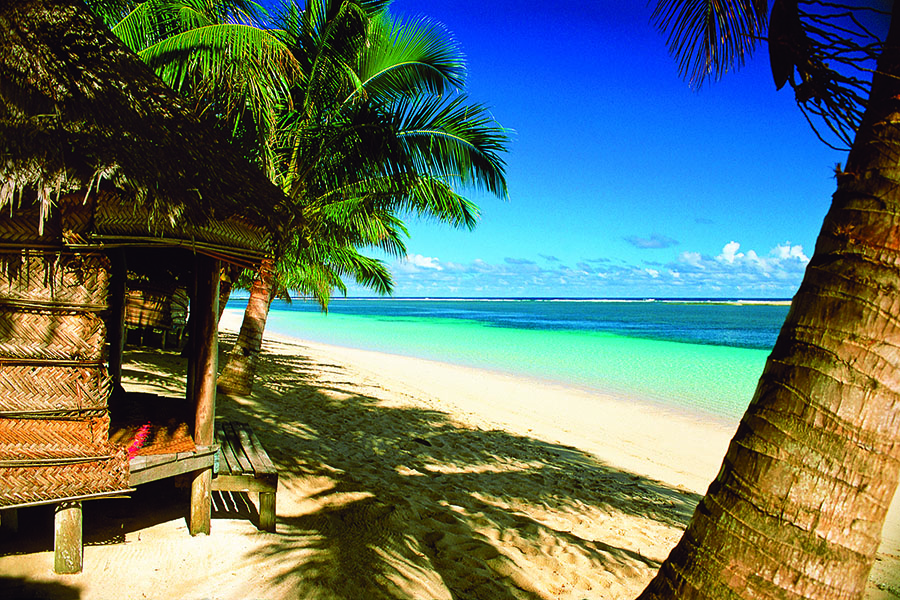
(103, 172)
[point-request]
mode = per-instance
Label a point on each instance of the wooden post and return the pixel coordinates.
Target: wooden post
(68, 545)
(205, 350)
(267, 511)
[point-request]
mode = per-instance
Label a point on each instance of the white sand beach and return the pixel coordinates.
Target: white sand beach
(406, 478)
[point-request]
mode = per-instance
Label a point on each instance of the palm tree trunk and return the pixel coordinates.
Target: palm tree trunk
(799, 503)
(239, 372)
(230, 274)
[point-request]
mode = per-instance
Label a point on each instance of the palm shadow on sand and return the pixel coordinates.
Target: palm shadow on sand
(406, 500)
(405, 503)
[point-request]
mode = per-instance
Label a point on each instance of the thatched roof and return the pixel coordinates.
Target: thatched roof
(80, 112)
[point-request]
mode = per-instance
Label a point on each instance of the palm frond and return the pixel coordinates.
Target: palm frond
(366, 271)
(454, 140)
(111, 11)
(409, 57)
(143, 25)
(325, 37)
(709, 37)
(219, 52)
(357, 222)
(191, 16)
(432, 197)
(231, 69)
(318, 268)
(410, 193)
(238, 12)
(314, 279)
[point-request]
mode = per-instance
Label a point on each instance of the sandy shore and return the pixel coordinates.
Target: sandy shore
(405, 478)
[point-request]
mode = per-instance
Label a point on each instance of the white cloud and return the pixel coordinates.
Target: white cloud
(694, 259)
(786, 251)
(783, 261)
(730, 252)
(733, 272)
(414, 262)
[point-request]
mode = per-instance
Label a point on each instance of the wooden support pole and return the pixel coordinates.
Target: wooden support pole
(68, 547)
(205, 349)
(267, 511)
(201, 502)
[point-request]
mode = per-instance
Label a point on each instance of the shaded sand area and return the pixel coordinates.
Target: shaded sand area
(404, 478)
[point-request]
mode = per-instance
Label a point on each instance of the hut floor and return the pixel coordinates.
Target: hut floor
(149, 424)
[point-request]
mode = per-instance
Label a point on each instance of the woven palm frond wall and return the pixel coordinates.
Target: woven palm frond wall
(54, 381)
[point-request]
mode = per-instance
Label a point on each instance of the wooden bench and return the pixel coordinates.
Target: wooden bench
(242, 465)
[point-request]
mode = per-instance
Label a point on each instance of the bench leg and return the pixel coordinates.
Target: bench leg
(267, 511)
(68, 549)
(201, 503)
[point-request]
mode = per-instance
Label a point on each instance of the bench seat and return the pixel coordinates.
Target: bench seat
(242, 465)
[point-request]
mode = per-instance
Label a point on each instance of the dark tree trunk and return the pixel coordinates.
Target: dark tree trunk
(230, 274)
(240, 370)
(800, 501)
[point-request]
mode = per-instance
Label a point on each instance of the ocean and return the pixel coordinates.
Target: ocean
(699, 356)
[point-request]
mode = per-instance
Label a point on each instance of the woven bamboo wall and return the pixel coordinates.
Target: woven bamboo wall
(54, 382)
(53, 332)
(39, 387)
(145, 308)
(38, 276)
(47, 481)
(54, 438)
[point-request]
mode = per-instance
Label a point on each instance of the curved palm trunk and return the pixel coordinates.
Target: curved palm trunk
(240, 370)
(799, 503)
(230, 274)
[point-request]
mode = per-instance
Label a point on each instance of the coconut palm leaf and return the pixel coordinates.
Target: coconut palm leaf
(326, 37)
(366, 271)
(709, 37)
(409, 57)
(111, 11)
(455, 139)
(360, 227)
(214, 54)
(231, 70)
(227, 56)
(412, 193)
(144, 25)
(205, 12)
(434, 198)
(318, 269)
(365, 141)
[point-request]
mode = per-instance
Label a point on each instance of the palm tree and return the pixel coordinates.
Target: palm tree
(373, 132)
(346, 110)
(217, 54)
(797, 508)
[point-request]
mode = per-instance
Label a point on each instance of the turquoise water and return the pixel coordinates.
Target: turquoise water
(701, 357)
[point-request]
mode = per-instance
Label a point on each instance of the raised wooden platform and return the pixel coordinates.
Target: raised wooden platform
(160, 466)
(242, 465)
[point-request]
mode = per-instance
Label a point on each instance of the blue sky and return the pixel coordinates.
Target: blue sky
(623, 181)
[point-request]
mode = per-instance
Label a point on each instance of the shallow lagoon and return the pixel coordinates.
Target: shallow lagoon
(696, 356)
